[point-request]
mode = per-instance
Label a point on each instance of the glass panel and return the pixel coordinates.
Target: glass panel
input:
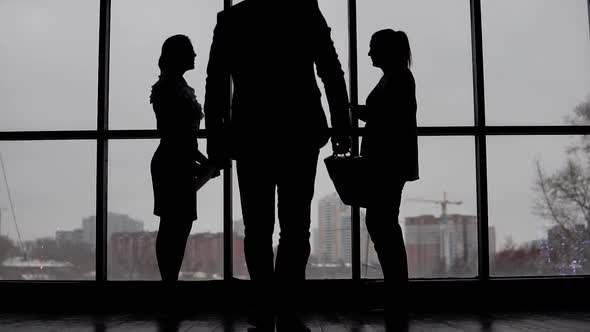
(47, 189)
(536, 60)
(138, 30)
(336, 15)
(438, 214)
(239, 260)
(133, 227)
(330, 230)
(538, 204)
(440, 40)
(49, 70)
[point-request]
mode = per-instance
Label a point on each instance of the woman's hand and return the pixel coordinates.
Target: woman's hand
(359, 111)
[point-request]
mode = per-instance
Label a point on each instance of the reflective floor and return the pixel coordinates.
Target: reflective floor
(322, 322)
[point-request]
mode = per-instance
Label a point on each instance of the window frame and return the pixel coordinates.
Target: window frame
(479, 131)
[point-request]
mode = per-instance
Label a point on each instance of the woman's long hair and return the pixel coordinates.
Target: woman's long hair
(172, 49)
(396, 44)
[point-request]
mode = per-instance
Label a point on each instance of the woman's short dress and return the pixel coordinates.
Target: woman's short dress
(173, 166)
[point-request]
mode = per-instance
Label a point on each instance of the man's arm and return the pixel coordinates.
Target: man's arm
(217, 94)
(330, 71)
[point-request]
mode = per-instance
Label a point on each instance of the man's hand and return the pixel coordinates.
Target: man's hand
(341, 144)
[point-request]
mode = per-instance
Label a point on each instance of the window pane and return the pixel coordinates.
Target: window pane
(538, 189)
(439, 243)
(331, 229)
(536, 60)
(47, 189)
(49, 69)
(138, 30)
(330, 238)
(440, 40)
(133, 228)
(239, 259)
(336, 15)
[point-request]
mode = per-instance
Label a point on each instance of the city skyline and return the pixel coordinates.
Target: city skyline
(437, 246)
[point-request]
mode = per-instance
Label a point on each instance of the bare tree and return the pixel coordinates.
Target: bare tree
(581, 117)
(524, 259)
(563, 198)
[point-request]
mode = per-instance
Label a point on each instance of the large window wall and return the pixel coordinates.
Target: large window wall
(503, 92)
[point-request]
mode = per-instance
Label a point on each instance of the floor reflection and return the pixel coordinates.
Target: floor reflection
(313, 322)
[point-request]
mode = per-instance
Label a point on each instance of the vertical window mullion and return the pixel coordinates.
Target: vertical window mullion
(353, 95)
(480, 141)
(227, 205)
(102, 141)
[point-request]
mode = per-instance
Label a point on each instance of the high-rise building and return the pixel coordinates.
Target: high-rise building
(423, 245)
(204, 255)
(117, 223)
(333, 239)
(133, 256)
(443, 246)
(74, 236)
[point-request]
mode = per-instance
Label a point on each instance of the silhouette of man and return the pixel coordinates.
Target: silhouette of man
(277, 125)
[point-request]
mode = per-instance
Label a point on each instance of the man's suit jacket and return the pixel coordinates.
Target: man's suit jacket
(269, 49)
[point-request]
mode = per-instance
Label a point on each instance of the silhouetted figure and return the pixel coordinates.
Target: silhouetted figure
(390, 147)
(277, 126)
(177, 160)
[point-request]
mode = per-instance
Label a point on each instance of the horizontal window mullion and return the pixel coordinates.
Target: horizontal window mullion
(48, 135)
(422, 131)
(537, 130)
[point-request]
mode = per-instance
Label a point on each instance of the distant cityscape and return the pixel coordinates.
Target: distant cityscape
(437, 247)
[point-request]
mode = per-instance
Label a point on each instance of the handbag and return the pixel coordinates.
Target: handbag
(204, 171)
(349, 175)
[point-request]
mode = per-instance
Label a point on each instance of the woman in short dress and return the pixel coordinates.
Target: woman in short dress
(177, 160)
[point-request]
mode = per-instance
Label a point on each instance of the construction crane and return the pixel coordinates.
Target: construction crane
(445, 232)
(1, 209)
(20, 240)
(443, 203)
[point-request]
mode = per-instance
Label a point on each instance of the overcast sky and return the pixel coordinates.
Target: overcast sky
(537, 69)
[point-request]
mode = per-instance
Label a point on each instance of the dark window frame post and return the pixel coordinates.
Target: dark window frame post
(228, 257)
(102, 141)
(353, 95)
(480, 141)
